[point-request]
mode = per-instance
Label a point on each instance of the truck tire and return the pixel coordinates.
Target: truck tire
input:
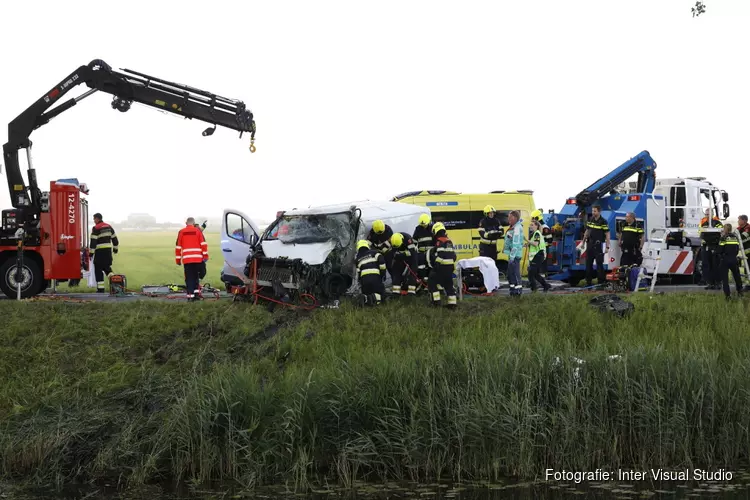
(33, 279)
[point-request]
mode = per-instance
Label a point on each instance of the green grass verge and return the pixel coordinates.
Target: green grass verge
(148, 391)
(147, 258)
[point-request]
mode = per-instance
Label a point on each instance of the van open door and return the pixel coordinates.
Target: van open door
(238, 234)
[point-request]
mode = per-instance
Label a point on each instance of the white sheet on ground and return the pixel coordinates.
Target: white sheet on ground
(488, 269)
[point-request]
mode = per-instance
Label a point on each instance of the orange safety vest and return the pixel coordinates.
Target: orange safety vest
(191, 246)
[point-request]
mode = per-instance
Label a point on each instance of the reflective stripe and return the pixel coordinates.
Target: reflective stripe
(451, 299)
(436, 296)
(369, 271)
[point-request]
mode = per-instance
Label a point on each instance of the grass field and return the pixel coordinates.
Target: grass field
(147, 258)
(227, 391)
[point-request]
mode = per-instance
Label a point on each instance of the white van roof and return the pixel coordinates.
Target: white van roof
(371, 210)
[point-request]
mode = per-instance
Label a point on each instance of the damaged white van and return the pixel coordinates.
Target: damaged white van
(307, 250)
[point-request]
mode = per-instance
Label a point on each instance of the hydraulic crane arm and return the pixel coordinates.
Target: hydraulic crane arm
(642, 164)
(126, 87)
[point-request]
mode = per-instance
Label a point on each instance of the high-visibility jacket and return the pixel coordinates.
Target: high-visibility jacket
(382, 241)
(443, 253)
(729, 246)
(103, 237)
(370, 262)
(191, 246)
(537, 244)
(710, 239)
(490, 231)
(423, 238)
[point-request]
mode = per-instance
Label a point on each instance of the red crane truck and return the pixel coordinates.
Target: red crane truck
(45, 235)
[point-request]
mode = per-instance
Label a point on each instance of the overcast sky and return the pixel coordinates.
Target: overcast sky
(385, 97)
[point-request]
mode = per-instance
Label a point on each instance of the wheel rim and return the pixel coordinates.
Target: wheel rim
(10, 278)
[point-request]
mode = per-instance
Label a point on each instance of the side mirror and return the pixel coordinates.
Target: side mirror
(725, 196)
(253, 240)
(726, 211)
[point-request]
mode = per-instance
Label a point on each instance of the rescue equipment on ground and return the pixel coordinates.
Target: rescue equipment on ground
(612, 304)
(118, 285)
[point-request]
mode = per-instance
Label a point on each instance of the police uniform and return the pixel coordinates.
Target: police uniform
(538, 255)
(710, 255)
(424, 241)
(597, 235)
(103, 244)
(371, 269)
(404, 265)
(490, 231)
(442, 261)
(729, 246)
(631, 244)
(381, 242)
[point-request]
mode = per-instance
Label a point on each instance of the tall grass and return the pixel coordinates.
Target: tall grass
(200, 392)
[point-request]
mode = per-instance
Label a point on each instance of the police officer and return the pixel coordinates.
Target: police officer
(537, 255)
(424, 240)
(490, 231)
(744, 229)
(710, 256)
(631, 240)
(380, 238)
(546, 232)
(442, 262)
(371, 269)
(404, 264)
(729, 247)
(597, 232)
(103, 243)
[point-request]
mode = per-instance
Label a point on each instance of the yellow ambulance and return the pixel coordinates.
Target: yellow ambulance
(461, 214)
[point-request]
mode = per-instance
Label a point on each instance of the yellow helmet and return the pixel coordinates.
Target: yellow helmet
(363, 244)
(438, 226)
(536, 214)
(424, 220)
(378, 226)
(397, 240)
(488, 209)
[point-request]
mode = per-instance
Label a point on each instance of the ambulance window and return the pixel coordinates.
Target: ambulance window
(453, 220)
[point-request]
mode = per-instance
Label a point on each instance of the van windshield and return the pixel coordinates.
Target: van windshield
(318, 228)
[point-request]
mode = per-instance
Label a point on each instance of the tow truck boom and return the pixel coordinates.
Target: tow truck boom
(126, 87)
(642, 164)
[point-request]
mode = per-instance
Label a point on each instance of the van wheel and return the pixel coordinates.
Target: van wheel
(32, 278)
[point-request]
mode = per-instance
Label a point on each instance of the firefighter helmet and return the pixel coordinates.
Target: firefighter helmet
(378, 226)
(488, 209)
(438, 226)
(424, 220)
(536, 214)
(397, 240)
(363, 244)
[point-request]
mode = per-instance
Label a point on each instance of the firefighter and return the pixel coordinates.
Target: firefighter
(631, 242)
(442, 262)
(729, 247)
(597, 232)
(424, 240)
(380, 238)
(191, 250)
(202, 273)
(103, 244)
(490, 231)
(537, 255)
(404, 264)
(536, 215)
(710, 253)
(371, 269)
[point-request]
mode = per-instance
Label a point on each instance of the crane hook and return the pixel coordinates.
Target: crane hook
(252, 145)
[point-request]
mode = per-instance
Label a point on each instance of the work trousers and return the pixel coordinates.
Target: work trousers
(490, 251)
(535, 268)
(192, 280)
(442, 276)
(102, 266)
(594, 253)
(202, 273)
(711, 265)
(630, 257)
(727, 266)
(514, 276)
(372, 287)
(403, 280)
(422, 270)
